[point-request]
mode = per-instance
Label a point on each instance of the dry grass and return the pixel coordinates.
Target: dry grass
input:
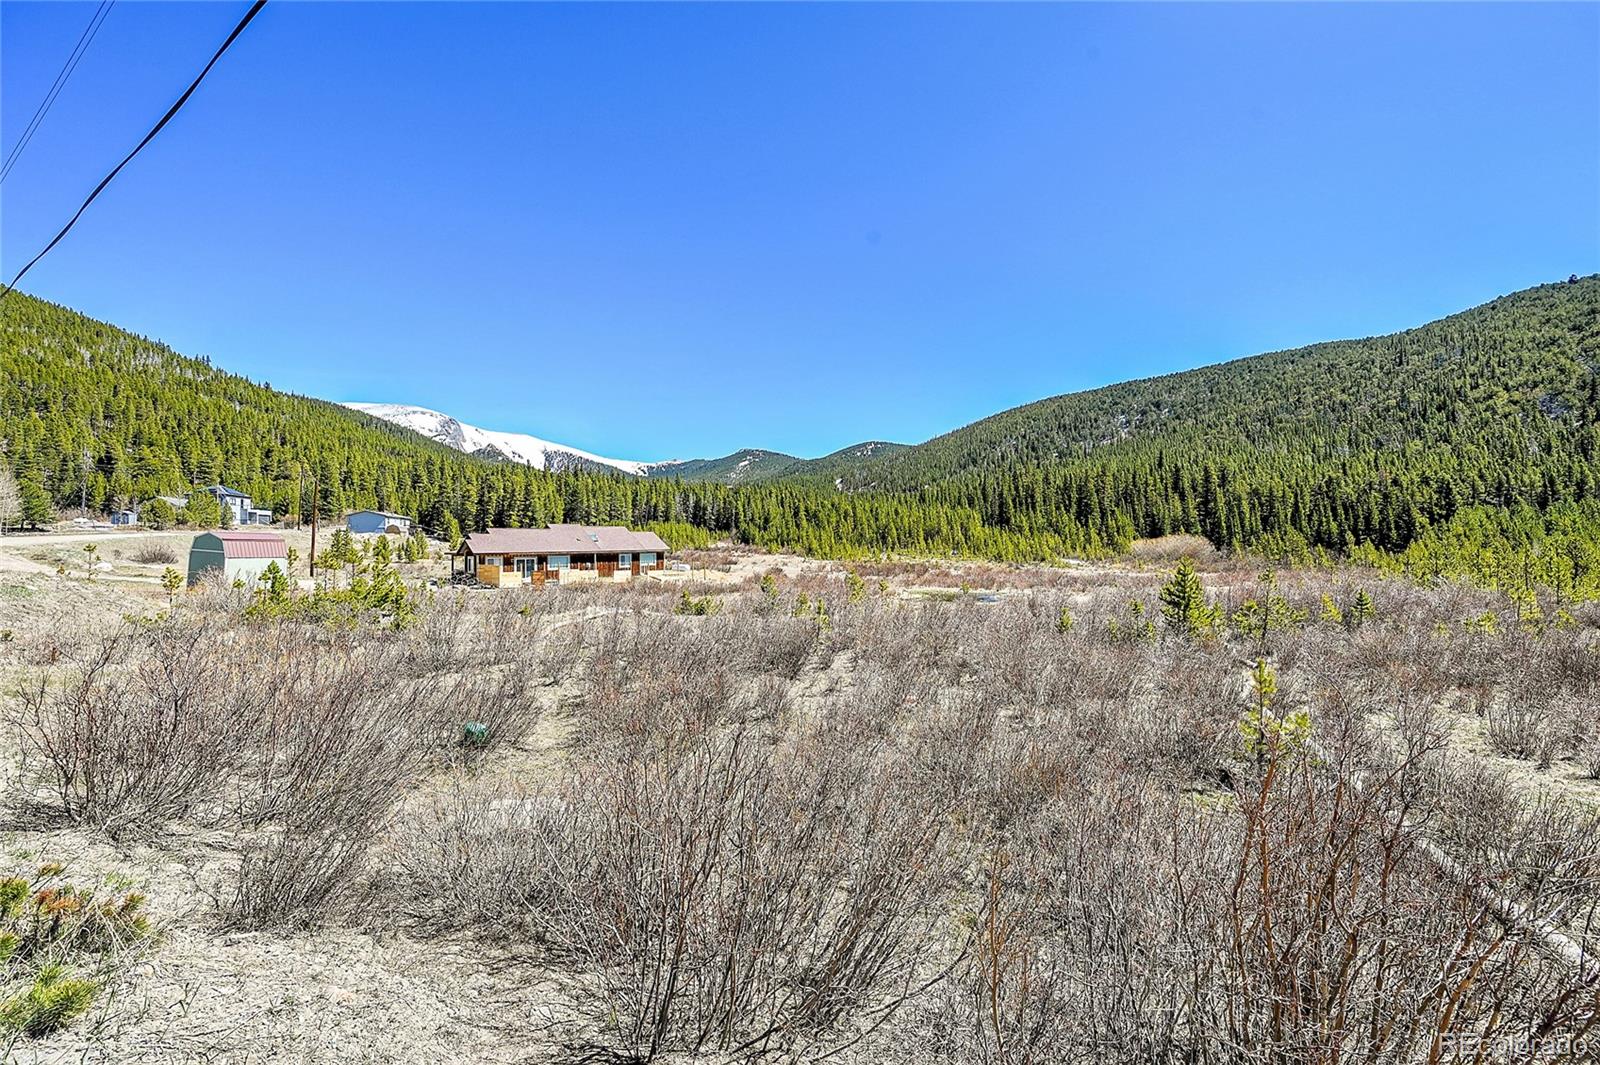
(1172, 548)
(922, 829)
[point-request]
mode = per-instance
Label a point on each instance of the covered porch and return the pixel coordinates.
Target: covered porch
(502, 570)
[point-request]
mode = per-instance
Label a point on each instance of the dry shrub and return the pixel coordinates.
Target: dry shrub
(1173, 547)
(710, 558)
(1303, 921)
(1589, 748)
(156, 553)
(1537, 698)
(744, 898)
(351, 735)
(147, 728)
(299, 738)
(298, 872)
(477, 854)
(1078, 950)
(344, 728)
(770, 834)
(736, 876)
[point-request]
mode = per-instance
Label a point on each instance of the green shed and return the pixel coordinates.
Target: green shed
(236, 555)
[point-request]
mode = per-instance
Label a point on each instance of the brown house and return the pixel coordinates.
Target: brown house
(564, 553)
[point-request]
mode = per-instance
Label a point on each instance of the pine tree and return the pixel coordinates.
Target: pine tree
(157, 514)
(274, 583)
(1183, 602)
(1330, 613)
(10, 498)
(171, 581)
(35, 506)
(202, 511)
(1361, 610)
(451, 531)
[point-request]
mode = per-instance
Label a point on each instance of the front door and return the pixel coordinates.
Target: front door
(526, 568)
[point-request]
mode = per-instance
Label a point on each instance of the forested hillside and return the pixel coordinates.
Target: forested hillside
(1376, 444)
(89, 411)
(754, 465)
(1361, 441)
(745, 466)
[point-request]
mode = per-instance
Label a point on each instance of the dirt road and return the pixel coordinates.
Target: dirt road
(12, 548)
(12, 542)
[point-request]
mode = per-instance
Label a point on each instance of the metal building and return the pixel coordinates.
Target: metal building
(237, 555)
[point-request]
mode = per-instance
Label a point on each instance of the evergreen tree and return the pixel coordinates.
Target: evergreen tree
(171, 581)
(1361, 610)
(35, 506)
(1183, 602)
(10, 499)
(158, 514)
(202, 511)
(1469, 447)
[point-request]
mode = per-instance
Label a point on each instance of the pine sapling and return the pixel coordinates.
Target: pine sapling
(1184, 605)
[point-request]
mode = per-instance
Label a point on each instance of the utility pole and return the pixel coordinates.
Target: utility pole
(314, 509)
(83, 485)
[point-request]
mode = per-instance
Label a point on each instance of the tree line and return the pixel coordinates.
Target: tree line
(1360, 446)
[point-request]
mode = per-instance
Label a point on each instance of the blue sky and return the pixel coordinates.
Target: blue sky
(658, 231)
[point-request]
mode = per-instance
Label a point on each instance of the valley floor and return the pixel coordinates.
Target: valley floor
(983, 808)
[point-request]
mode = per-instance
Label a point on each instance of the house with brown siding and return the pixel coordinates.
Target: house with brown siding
(560, 553)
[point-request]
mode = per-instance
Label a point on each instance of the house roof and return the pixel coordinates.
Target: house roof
(562, 540)
(224, 490)
(250, 544)
(382, 514)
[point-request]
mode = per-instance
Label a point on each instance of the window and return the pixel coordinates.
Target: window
(647, 558)
(560, 562)
(625, 560)
(489, 560)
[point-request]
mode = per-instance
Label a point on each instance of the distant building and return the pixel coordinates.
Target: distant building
(561, 553)
(134, 515)
(236, 555)
(378, 521)
(237, 504)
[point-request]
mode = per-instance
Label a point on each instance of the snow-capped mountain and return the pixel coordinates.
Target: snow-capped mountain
(513, 447)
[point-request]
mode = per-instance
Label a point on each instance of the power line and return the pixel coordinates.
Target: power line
(255, 8)
(85, 39)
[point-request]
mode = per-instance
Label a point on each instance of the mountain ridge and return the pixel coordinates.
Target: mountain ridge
(1070, 427)
(745, 466)
(1329, 447)
(522, 448)
(1294, 393)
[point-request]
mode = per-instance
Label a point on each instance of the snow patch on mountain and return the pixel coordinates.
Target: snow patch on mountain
(513, 447)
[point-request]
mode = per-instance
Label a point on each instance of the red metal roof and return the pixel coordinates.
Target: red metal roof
(563, 540)
(251, 544)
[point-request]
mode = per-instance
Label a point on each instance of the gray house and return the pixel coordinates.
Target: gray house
(236, 555)
(131, 515)
(237, 504)
(378, 521)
